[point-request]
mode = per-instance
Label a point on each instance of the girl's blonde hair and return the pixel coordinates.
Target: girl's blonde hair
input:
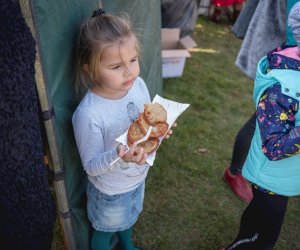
(95, 35)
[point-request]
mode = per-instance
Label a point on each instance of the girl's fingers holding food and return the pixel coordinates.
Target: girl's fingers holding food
(143, 159)
(138, 154)
(121, 150)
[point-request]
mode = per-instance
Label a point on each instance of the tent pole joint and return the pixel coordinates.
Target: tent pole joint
(66, 215)
(48, 114)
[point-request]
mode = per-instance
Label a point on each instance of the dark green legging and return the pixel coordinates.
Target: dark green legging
(101, 240)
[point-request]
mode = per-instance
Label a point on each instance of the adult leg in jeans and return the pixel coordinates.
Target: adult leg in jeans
(232, 174)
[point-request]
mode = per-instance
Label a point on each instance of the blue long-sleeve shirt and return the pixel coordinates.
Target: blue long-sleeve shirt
(97, 122)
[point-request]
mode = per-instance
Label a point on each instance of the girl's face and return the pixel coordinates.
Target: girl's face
(118, 69)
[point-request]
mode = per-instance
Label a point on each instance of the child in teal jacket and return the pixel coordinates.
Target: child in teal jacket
(273, 162)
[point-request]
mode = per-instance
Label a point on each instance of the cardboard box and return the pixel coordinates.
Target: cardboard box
(174, 52)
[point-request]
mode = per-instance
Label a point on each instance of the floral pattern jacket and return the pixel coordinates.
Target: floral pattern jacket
(276, 111)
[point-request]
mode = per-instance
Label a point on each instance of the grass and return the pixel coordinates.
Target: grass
(187, 204)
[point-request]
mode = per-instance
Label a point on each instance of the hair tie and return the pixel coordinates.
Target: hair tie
(98, 12)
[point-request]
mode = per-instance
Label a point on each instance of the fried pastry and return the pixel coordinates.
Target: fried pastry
(154, 113)
(149, 145)
(144, 126)
(134, 133)
(159, 129)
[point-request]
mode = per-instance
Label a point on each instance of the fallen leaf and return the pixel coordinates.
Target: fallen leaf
(202, 150)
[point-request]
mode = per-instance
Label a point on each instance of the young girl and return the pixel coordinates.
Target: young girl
(273, 162)
(108, 67)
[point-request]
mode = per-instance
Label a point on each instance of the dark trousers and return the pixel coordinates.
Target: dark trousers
(261, 222)
(242, 145)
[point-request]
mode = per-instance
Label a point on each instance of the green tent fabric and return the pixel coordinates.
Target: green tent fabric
(57, 24)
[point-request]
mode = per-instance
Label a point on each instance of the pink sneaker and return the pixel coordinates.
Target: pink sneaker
(239, 185)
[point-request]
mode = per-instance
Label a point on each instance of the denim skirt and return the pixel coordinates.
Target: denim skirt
(114, 213)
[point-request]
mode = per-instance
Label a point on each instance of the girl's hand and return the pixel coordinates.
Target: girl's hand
(135, 154)
(170, 132)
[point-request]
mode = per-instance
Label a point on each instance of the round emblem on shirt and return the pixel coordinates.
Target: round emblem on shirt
(133, 111)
